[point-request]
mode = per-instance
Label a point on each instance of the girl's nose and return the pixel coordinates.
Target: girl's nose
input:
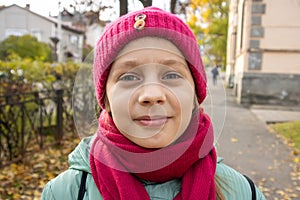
(151, 95)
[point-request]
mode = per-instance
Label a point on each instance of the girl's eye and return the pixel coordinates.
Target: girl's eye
(172, 75)
(129, 77)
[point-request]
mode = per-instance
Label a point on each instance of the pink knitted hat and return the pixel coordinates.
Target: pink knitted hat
(149, 21)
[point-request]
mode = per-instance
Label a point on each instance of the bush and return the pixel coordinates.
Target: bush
(25, 46)
(32, 106)
(86, 50)
(19, 76)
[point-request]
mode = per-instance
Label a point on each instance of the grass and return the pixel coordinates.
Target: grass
(290, 131)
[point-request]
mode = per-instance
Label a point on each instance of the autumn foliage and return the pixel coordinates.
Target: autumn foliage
(209, 21)
(25, 46)
(25, 178)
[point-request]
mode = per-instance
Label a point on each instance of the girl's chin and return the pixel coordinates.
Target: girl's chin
(151, 143)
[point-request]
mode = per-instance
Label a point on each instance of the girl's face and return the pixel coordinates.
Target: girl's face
(150, 92)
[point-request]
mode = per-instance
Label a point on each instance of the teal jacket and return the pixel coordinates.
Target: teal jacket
(66, 185)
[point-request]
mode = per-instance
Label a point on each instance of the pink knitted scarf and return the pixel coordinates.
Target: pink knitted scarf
(117, 164)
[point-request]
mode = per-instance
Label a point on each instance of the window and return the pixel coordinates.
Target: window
(74, 40)
(15, 31)
(242, 25)
(37, 33)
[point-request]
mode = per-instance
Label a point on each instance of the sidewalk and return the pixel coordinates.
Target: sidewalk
(275, 115)
(247, 145)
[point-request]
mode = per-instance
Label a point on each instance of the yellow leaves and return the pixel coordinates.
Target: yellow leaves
(199, 2)
(285, 194)
(27, 180)
(286, 191)
(206, 30)
(280, 192)
(193, 6)
(30, 177)
(272, 179)
(2, 177)
(76, 140)
(296, 160)
(289, 131)
(296, 152)
(50, 175)
(211, 26)
(16, 196)
(192, 20)
(205, 15)
(16, 170)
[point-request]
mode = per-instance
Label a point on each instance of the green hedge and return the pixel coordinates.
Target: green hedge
(25, 46)
(26, 75)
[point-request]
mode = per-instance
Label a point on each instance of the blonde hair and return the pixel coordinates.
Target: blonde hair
(220, 186)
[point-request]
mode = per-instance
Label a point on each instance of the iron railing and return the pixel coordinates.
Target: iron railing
(28, 119)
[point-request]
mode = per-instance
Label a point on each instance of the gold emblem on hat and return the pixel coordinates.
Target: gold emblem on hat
(139, 22)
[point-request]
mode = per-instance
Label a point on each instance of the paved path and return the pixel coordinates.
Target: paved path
(249, 146)
(268, 115)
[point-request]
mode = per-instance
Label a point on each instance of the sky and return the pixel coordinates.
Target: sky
(51, 7)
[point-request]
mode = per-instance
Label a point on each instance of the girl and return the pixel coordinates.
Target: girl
(153, 141)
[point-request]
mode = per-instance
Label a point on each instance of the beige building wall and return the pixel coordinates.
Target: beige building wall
(263, 50)
(238, 39)
(286, 63)
(243, 30)
(281, 41)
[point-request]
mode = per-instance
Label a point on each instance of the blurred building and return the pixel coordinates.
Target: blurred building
(89, 21)
(263, 51)
(66, 39)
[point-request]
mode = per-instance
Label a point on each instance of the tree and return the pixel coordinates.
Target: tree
(146, 3)
(100, 6)
(25, 46)
(124, 5)
(209, 21)
(173, 6)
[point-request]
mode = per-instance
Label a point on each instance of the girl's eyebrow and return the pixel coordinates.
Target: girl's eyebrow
(130, 63)
(167, 61)
(125, 65)
(172, 62)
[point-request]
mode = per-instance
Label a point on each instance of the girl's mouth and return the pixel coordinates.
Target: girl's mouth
(152, 120)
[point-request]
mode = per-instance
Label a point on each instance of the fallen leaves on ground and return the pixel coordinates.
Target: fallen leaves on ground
(289, 192)
(233, 140)
(26, 180)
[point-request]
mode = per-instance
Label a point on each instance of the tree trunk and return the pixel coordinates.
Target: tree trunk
(146, 3)
(173, 6)
(123, 7)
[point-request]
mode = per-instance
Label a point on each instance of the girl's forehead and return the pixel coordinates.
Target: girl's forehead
(150, 43)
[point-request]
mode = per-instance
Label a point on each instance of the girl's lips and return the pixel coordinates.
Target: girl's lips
(152, 121)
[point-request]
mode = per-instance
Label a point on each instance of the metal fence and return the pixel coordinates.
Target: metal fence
(27, 120)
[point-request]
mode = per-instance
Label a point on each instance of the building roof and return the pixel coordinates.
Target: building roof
(50, 19)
